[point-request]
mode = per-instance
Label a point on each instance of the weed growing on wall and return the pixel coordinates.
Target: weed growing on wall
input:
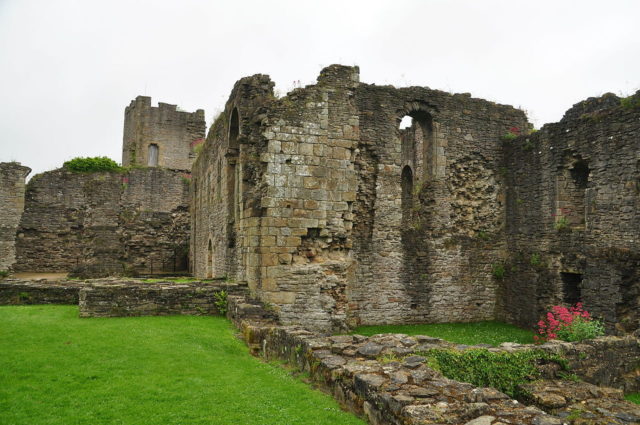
(91, 165)
(221, 302)
(501, 370)
(4, 273)
(498, 271)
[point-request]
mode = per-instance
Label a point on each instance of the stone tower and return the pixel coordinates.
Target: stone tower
(12, 178)
(161, 136)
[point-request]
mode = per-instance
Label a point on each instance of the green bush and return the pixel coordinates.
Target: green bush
(221, 302)
(501, 370)
(90, 165)
(581, 329)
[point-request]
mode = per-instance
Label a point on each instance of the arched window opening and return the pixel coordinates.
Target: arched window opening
(153, 155)
(210, 260)
(418, 143)
(407, 192)
(572, 193)
(234, 129)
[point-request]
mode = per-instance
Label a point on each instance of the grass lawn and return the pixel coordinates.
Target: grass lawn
(494, 333)
(634, 397)
(58, 369)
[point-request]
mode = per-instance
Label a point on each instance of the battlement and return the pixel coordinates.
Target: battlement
(160, 136)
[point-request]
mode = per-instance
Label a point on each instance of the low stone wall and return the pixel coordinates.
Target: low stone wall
(16, 292)
(408, 392)
(131, 298)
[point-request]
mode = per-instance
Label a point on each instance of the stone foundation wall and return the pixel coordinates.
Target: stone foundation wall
(129, 298)
(12, 188)
(105, 223)
(573, 216)
(17, 292)
(406, 391)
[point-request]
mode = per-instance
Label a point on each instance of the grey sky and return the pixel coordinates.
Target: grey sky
(68, 68)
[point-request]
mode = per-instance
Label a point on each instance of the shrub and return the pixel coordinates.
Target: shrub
(221, 302)
(4, 273)
(90, 165)
(501, 370)
(568, 324)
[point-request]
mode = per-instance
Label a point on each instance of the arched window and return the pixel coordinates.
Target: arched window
(153, 155)
(234, 129)
(407, 191)
(418, 143)
(210, 260)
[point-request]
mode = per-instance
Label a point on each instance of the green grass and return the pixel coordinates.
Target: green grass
(58, 369)
(633, 397)
(490, 332)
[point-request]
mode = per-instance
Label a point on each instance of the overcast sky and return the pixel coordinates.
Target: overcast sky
(69, 68)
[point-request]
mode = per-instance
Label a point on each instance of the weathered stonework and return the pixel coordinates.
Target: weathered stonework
(12, 187)
(172, 133)
(337, 217)
(130, 298)
(573, 216)
(105, 223)
(408, 392)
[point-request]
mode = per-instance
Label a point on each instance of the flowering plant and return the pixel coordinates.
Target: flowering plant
(568, 324)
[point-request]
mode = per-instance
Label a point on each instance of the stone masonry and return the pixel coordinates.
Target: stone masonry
(337, 217)
(107, 223)
(12, 188)
(573, 215)
(173, 134)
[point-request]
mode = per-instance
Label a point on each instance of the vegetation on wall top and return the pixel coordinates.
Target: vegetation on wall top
(90, 165)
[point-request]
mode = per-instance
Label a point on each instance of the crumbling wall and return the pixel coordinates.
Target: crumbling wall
(174, 134)
(12, 187)
(105, 223)
(340, 217)
(573, 215)
(429, 214)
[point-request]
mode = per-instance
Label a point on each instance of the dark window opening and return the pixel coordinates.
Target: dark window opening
(571, 284)
(580, 174)
(406, 182)
(234, 129)
(418, 142)
(210, 260)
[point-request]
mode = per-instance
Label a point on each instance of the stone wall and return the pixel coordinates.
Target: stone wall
(573, 216)
(302, 197)
(12, 188)
(175, 133)
(18, 292)
(406, 391)
(105, 223)
(131, 298)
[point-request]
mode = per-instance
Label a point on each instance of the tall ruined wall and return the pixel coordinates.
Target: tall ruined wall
(12, 187)
(227, 186)
(105, 223)
(429, 213)
(573, 215)
(174, 133)
(323, 226)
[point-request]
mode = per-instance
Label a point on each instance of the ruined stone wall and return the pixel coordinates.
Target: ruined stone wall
(323, 226)
(175, 133)
(131, 298)
(573, 215)
(105, 223)
(12, 187)
(227, 185)
(429, 214)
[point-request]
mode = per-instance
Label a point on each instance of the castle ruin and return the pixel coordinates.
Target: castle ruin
(337, 217)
